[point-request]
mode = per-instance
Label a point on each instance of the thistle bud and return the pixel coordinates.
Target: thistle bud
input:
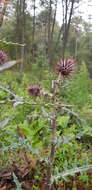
(34, 90)
(3, 57)
(66, 67)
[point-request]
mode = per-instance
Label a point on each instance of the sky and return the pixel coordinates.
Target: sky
(84, 10)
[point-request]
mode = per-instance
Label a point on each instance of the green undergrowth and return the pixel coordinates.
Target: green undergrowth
(29, 126)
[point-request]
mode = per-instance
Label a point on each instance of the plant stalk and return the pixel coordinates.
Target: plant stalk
(55, 86)
(52, 153)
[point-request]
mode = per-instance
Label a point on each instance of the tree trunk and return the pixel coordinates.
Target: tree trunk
(23, 35)
(67, 26)
(49, 28)
(54, 20)
(34, 8)
(51, 37)
(20, 31)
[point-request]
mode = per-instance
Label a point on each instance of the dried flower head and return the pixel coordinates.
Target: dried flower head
(3, 57)
(34, 90)
(66, 67)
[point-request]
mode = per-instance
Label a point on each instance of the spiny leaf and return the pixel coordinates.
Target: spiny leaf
(71, 172)
(4, 122)
(18, 184)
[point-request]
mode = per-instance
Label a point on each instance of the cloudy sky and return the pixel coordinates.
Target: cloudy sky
(84, 10)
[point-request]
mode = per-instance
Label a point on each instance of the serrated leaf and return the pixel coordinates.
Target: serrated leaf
(17, 103)
(4, 122)
(63, 121)
(18, 184)
(72, 171)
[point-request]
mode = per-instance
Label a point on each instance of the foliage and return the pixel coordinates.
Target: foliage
(28, 126)
(77, 91)
(49, 123)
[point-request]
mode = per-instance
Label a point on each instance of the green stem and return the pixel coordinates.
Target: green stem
(53, 134)
(52, 153)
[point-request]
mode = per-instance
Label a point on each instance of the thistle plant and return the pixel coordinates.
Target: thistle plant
(34, 90)
(3, 57)
(64, 68)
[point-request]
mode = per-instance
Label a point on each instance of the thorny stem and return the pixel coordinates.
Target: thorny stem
(53, 140)
(53, 133)
(52, 153)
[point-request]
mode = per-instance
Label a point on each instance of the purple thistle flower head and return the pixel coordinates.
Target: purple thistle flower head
(66, 67)
(34, 90)
(3, 57)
